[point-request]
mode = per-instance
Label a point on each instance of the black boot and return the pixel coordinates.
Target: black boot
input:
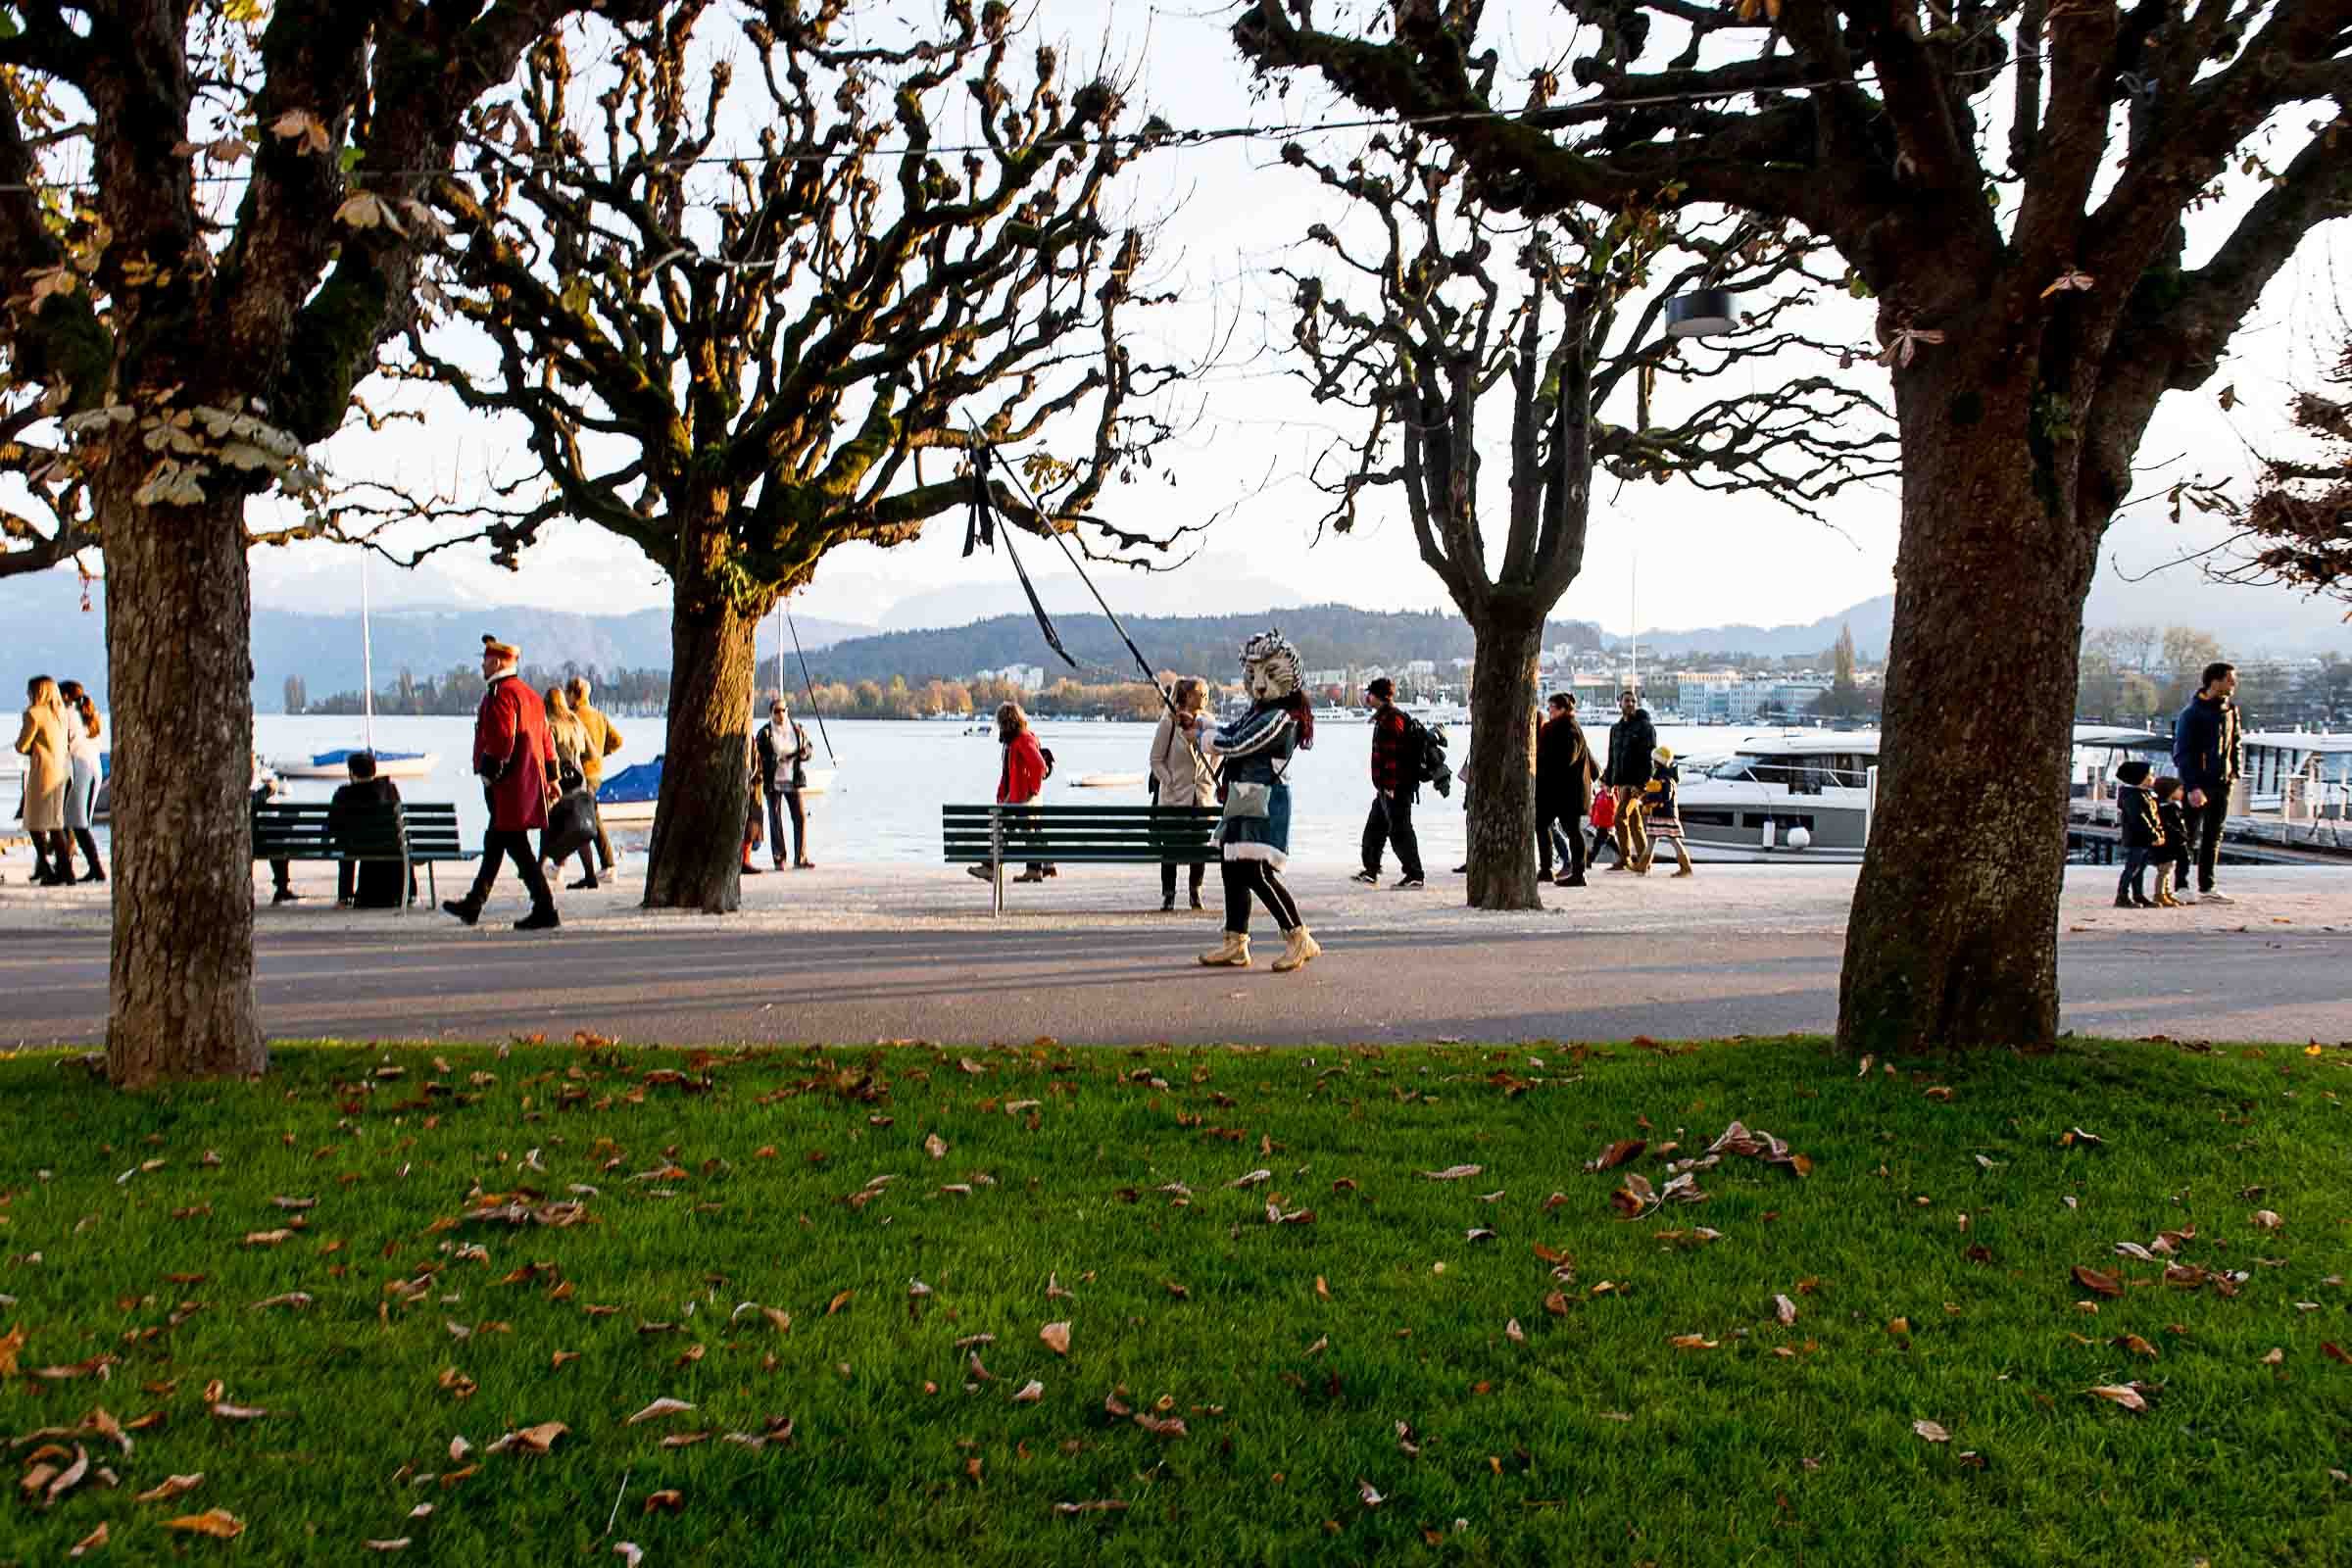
(2123, 898)
(543, 918)
(465, 909)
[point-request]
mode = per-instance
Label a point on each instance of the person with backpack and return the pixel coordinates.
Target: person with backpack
(1396, 785)
(1027, 766)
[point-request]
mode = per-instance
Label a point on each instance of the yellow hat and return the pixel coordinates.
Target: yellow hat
(1665, 754)
(492, 646)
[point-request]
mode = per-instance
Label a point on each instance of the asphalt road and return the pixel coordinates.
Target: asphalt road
(1135, 985)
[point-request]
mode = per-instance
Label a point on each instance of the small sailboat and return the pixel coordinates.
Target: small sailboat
(335, 763)
(630, 795)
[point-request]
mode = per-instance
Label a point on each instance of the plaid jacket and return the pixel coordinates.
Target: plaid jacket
(1394, 762)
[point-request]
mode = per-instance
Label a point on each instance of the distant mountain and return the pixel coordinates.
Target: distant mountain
(1327, 636)
(1872, 620)
(49, 632)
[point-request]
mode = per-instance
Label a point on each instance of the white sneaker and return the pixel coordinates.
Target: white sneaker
(2183, 896)
(2211, 897)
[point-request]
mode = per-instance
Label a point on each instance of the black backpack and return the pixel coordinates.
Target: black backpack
(1430, 764)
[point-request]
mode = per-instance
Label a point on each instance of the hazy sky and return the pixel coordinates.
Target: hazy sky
(1238, 213)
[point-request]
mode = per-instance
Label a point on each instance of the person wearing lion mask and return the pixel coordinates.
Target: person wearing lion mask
(1254, 834)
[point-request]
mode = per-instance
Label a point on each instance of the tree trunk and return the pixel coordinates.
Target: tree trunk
(695, 859)
(1954, 936)
(1502, 762)
(180, 675)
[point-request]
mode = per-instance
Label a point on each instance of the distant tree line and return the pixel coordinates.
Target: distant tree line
(2138, 674)
(458, 691)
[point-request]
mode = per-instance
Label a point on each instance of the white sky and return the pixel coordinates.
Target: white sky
(1702, 560)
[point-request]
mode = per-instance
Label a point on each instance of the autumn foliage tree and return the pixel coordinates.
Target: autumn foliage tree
(2015, 184)
(739, 363)
(1435, 311)
(207, 229)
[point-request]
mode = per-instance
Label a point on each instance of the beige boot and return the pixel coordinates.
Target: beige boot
(1234, 955)
(1684, 856)
(1298, 946)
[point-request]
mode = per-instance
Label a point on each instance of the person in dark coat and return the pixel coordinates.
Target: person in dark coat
(784, 753)
(2208, 758)
(2141, 832)
(515, 758)
(366, 884)
(1395, 786)
(1633, 744)
(2172, 866)
(1564, 771)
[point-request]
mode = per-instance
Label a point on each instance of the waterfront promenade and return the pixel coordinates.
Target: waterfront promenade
(847, 954)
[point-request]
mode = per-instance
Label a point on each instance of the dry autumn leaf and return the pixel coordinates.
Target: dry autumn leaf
(1056, 1336)
(171, 1487)
(839, 1301)
(1783, 1308)
(1452, 1173)
(658, 1410)
(1617, 1154)
(2091, 1279)
(89, 1543)
(1031, 1391)
(2122, 1393)
(219, 1523)
(667, 1500)
(1932, 1431)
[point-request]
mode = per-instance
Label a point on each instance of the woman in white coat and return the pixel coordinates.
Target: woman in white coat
(1180, 774)
(84, 726)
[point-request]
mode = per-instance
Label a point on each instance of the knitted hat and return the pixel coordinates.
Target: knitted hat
(498, 650)
(2134, 771)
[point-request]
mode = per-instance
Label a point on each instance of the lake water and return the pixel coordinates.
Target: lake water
(895, 774)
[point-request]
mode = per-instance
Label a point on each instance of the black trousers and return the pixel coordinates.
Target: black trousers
(1167, 879)
(1391, 823)
(1246, 879)
(2205, 823)
(1560, 820)
(511, 843)
(779, 802)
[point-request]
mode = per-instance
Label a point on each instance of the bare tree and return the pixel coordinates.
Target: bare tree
(1440, 306)
(2296, 532)
(739, 364)
(2035, 298)
(196, 310)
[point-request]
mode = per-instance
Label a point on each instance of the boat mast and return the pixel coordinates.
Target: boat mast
(367, 664)
(1633, 609)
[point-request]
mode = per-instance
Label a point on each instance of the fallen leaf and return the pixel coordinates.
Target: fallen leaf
(1056, 1336)
(2122, 1393)
(1512, 1332)
(2262, 1220)
(1556, 1303)
(2273, 1357)
(629, 1552)
(1693, 1342)
(667, 1500)
(89, 1543)
(171, 1487)
(1100, 1505)
(219, 1523)
(1252, 1178)
(1898, 1326)
(2335, 1352)
(935, 1145)
(656, 1411)
(1452, 1173)
(1363, 1490)
(1932, 1431)
(1617, 1154)
(396, 1544)
(10, 1343)
(1783, 1308)
(2091, 1279)
(1031, 1391)
(239, 1412)
(2138, 1345)
(839, 1301)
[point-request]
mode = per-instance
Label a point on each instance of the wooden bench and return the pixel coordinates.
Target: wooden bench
(1119, 835)
(414, 833)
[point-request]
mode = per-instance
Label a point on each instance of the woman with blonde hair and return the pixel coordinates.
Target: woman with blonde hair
(1180, 774)
(83, 729)
(41, 741)
(571, 738)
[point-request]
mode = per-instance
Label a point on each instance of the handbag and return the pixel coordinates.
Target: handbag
(1604, 811)
(571, 825)
(1244, 799)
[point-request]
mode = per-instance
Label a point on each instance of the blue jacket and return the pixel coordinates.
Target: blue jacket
(2206, 754)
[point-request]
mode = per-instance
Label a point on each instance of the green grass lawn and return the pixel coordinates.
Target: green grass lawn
(750, 1229)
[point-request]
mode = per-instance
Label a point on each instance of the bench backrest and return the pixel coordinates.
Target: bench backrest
(1135, 833)
(434, 831)
(298, 831)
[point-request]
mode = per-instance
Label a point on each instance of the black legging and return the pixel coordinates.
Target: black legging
(1246, 877)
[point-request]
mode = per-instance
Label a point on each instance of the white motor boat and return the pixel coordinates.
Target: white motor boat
(1803, 796)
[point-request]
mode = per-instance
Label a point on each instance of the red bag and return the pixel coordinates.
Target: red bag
(1604, 811)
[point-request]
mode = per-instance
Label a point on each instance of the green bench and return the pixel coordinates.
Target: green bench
(414, 833)
(1119, 835)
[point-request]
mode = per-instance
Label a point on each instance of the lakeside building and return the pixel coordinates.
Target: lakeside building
(1023, 677)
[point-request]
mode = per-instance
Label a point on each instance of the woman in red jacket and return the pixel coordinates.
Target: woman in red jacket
(1023, 780)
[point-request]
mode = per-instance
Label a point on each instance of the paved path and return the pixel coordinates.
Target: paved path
(1723, 954)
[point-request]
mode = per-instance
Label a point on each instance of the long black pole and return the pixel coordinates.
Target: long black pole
(810, 686)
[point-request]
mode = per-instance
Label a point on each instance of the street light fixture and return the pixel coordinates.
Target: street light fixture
(1703, 313)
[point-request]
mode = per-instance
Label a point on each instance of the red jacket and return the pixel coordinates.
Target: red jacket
(1395, 764)
(513, 754)
(1024, 772)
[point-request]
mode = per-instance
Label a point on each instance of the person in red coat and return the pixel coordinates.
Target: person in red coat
(1023, 780)
(515, 758)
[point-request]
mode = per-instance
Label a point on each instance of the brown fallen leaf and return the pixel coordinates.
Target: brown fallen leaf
(2273, 1357)
(629, 1552)
(2264, 1219)
(687, 1440)
(171, 1487)
(667, 1500)
(2122, 1393)
(1512, 1332)
(935, 1145)
(1099, 1505)
(396, 1544)
(1452, 1173)
(658, 1410)
(239, 1412)
(1783, 1308)
(2335, 1352)
(1693, 1342)
(1030, 1392)
(89, 1543)
(1898, 1326)
(1056, 1336)
(11, 1344)
(1617, 1154)
(2091, 1279)
(1363, 1490)
(267, 1238)
(219, 1523)
(1932, 1431)
(839, 1301)
(2137, 1346)
(1556, 1303)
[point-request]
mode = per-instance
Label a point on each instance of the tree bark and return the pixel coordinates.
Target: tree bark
(179, 678)
(1502, 762)
(695, 859)
(1952, 941)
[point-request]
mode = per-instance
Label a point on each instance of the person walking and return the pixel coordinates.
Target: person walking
(48, 772)
(573, 747)
(2208, 759)
(1253, 837)
(1564, 773)
(603, 739)
(1633, 743)
(784, 753)
(366, 884)
(1662, 812)
(1181, 773)
(517, 762)
(1021, 781)
(83, 729)
(1395, 786)
(2141, 830)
